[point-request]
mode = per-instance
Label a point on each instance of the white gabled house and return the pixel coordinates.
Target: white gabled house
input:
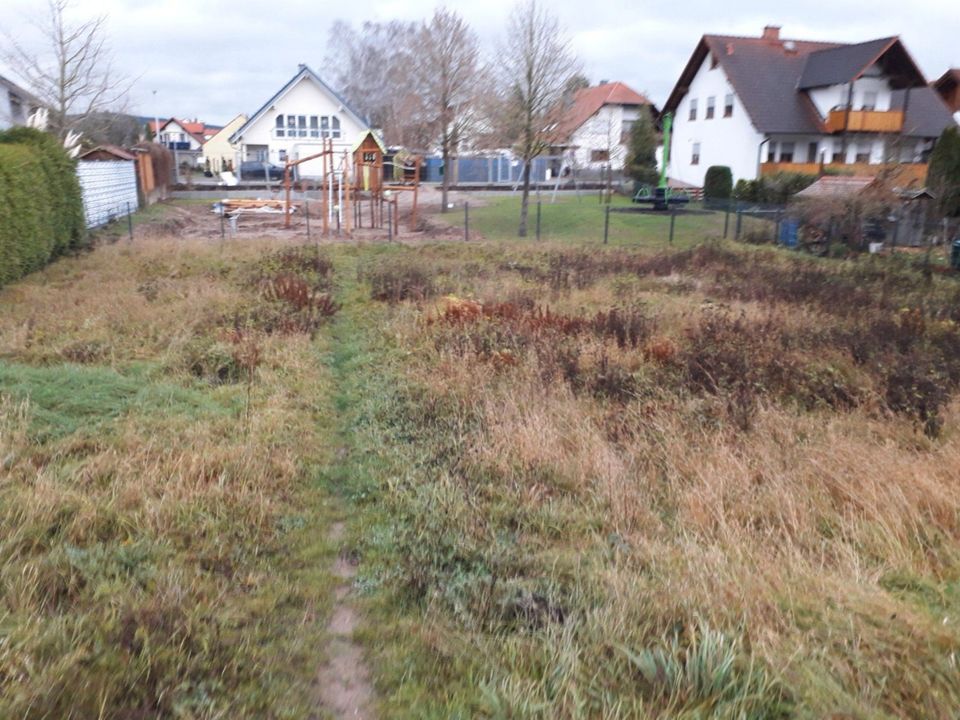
(294, 122)
(594, 131)
(762, 105)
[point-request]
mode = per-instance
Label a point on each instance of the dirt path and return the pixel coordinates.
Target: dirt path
(344, 688)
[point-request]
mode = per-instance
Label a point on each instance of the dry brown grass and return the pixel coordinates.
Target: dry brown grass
(823, 533)
(160, 552)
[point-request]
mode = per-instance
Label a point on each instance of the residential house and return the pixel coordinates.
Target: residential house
(948, 86)
(16, 104)
(184, 137)
(594, 132)
(218, 152)
(762, 105)
(296, 120)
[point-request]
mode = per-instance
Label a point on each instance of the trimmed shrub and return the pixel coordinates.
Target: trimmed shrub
(718, 183)
(41, 209)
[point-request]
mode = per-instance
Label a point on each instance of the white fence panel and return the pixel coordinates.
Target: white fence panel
(109, 189)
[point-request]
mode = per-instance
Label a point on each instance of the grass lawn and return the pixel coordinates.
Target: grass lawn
(581, 221)
(700, 481)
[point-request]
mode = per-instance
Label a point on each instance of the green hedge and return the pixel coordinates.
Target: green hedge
(718, 183)
(41, 209)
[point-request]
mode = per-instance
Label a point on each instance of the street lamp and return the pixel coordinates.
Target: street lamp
(156, 119)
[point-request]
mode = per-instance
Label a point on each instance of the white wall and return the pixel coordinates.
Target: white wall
(109, 189)
(731, 141)
(604, 130)
(304, 98)
(827, 98)
(7, 117)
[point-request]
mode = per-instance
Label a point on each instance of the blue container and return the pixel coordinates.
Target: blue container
(789, 230)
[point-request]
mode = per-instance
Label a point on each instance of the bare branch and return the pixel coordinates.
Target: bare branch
(73, 73)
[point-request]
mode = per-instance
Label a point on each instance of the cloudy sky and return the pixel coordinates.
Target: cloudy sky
(212, 59)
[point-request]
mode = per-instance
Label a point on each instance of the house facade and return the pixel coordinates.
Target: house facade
(594, 131)
(218, 152)
(295, 122)
(16, 104)
(763, 105)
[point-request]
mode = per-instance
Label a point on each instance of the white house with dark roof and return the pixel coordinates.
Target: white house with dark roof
(16, 104)
(764, 104)
(296, 120)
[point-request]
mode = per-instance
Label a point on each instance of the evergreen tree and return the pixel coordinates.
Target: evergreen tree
(642, 151)
(943, 173)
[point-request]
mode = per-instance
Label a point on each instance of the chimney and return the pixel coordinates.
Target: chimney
(771, 33)
(604, 82)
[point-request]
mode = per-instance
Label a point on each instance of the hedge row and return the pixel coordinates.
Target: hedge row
(41, 208)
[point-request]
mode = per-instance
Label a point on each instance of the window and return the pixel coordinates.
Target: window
(838, 153)
(282, 155)
(693, 108)
(786, 152)
(291, 126)
(695, 158)
(869, 101)
(711, 107)
(325, 126)
(599, 156)
(369, 157)
(812, 151)
(314, 126)
(863, 152)
(772, 152)
(728, 105)
(279, 131)
(302, 125)
(336, 126)
(16, 109)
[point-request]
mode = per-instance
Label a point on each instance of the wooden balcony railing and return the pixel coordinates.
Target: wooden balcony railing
(905, 174)
(865, 121)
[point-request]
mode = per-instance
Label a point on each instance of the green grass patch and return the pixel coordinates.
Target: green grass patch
(68, 398)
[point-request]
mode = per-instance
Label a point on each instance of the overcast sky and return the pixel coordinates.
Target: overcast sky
(212, 59)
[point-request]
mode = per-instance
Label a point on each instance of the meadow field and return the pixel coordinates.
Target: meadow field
(502, 479)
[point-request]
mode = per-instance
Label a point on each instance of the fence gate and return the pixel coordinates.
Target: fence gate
(109, 189)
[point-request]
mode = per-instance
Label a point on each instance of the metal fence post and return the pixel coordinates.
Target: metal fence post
(466, 221)
(538, 218)
(389, 224)
(606, 224)
(673, 220)
(776, 227)
(736, 234)
(129, 222)
(726, 221)
(223, 232)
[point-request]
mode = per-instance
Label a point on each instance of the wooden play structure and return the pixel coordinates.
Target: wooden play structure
(353, 193)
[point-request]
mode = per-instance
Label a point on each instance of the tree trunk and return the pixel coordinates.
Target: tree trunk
(524, 200)
(445, 183)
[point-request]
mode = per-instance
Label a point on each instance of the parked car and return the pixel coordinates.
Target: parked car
(257, 170)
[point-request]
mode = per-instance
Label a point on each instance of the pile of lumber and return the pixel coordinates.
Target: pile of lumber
(232, 206)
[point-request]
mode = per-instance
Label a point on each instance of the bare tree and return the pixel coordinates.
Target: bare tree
(73, 73)
(375, 67)
(535, 63)
(450, 80)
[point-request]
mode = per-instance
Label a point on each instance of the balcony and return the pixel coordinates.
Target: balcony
(881, 121)
(904, 174)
